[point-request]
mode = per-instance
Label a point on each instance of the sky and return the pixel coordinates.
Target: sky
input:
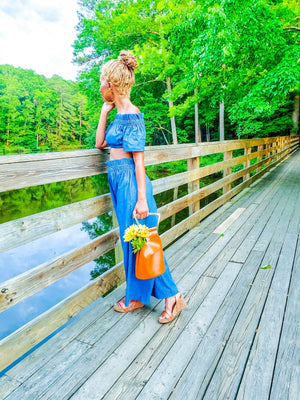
(38, 35)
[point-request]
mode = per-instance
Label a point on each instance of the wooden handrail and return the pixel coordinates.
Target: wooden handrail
(35, 169)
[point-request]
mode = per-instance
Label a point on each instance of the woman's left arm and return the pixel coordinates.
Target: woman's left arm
(141, 208)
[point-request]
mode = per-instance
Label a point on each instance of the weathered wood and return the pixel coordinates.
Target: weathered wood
(193, 163)
(227, 375)
(259, 368)
(118, 247)
(28, 283)
(102, 348)
(38, 329)
(26, 174)
(36, 169)
(176, 359)
(227, 171)
(196, 376)
(259, 157)
(22, 340)
(229, 221)
(24, 230)
(175, 196)
(178, 256)
(286, 373)
(24, 285)
(119, 356)
(147, 361)
(247, 152)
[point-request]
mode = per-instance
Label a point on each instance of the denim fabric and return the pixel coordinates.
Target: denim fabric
(127, 131)
(123, 188)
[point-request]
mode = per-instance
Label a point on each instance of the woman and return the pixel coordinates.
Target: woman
(130, 187)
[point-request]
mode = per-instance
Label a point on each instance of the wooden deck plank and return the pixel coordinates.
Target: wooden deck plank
(259, 368)
(103, 354)
(144, 369)
(132, 380)
(204, 364)
(169, 370)
(197, 374)
(249, 229)
(125, 341)
(260, 364)
(227, 375)
(286, 379)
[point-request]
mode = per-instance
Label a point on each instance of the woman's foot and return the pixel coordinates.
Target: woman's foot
(133, 305)
(173, 306)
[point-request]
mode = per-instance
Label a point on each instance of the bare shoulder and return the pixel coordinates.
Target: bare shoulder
(136, 109)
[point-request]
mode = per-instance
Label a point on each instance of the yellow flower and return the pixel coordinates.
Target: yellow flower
(143, 231)
(130, 233)
(134, 231)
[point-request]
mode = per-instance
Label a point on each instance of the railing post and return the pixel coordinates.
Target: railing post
(259, 158)
(247, 151)
(275, 145)
(193, 163)
(289, 144)
(175, 196)
(118, 248)
(227, 171)
(268, 154)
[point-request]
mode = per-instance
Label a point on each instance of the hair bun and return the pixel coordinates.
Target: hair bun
(128, 59)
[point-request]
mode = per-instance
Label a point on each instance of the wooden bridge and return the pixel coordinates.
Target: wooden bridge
(239, 270)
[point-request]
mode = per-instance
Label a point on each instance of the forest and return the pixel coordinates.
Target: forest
(39, 114)
(207, 71)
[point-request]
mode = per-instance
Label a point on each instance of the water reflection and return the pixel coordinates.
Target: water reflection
(16, 261)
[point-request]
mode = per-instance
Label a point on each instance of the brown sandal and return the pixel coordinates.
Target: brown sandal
(133, 306)
(178, 306)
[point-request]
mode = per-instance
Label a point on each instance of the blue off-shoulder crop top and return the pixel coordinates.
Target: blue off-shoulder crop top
(127, 131)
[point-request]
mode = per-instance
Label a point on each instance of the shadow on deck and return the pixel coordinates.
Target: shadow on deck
(237, 339)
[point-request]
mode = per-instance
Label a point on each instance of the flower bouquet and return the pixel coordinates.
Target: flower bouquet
(138, 235)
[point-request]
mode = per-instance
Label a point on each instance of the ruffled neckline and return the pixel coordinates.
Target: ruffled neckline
(129, 116)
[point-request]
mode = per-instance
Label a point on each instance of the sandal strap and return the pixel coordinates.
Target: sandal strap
(165, 315)
(131, 306)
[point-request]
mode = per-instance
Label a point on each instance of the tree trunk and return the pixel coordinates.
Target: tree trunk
(7, 134)
(207, 133)
(295, 115)
(222, 134)
(60, 115)
(80, 124)
(197, 126)
(173, 124)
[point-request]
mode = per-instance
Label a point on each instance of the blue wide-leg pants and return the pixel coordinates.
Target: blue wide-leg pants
(123, 189)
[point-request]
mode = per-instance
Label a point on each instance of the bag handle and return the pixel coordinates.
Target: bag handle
(158, 215)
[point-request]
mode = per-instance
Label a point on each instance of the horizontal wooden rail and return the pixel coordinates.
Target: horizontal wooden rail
(20, 287)
(29, 228)
(18, 171)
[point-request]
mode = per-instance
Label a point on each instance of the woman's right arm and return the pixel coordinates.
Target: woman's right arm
(100, 134)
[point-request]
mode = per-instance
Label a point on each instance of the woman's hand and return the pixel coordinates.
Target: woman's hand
(107, 107)
(141, 209)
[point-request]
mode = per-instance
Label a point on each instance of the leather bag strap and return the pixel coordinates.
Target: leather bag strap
(158, 215)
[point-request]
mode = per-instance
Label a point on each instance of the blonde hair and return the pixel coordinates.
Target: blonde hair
(120, 71)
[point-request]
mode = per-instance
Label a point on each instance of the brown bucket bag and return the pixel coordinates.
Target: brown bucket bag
(150, 259)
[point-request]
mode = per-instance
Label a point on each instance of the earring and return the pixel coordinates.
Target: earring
(109, 101)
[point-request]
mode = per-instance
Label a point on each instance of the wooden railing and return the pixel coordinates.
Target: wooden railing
(259, 155)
